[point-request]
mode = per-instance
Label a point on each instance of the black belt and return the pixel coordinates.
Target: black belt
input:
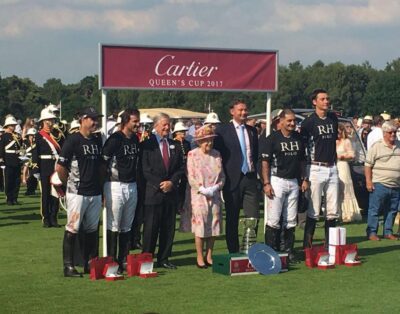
(248, 174)
(321, 163)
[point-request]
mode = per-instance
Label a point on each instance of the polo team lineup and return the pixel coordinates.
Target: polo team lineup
(145, 171)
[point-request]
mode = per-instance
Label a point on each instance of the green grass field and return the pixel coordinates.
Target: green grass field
(31, 279)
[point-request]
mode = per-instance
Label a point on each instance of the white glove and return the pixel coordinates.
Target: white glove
(202, 190)
(214, 189)
(37, 176)
(208, 192)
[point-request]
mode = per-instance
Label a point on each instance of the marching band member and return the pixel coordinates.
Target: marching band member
(74, 127)
(27, 172)
(2, 166)
(44, 157)
(10, 147)
(60, 126)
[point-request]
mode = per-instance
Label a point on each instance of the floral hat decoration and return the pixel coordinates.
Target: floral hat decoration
(204, 132)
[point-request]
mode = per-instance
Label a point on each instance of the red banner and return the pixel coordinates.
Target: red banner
(132, 67)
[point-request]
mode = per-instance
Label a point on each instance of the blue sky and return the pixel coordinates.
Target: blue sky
(42, 39)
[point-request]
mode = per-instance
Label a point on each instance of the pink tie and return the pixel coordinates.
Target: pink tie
(165, 153)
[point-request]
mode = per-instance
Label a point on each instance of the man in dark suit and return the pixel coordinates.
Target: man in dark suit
(162, 170)
(238, 145)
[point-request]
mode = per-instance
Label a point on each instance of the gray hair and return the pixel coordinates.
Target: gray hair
(159, 117)
(389, 126)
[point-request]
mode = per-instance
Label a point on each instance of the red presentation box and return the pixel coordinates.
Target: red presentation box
(140, 265)
(97, 265)
(110, 272)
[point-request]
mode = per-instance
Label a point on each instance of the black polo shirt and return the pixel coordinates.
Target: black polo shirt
(82, 157)
(320, 136)
(121, 155)
(284, 154)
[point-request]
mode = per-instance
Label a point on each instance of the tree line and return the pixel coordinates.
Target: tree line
(354, 90)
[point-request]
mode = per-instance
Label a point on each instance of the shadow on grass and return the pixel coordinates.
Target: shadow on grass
(23, 217)
(184, 252)
(13, 224)
(184, 261)
(378, 250)
(191, 240)
(16, 210)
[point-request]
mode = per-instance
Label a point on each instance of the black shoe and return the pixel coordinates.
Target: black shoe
(86, 268)
(10, 203)
(136, 246)
(120, 269)
(16, 203)
(46, 224)
(70, 271)
(207, 263)
(201, 266)
(166, 265)
(54, 223)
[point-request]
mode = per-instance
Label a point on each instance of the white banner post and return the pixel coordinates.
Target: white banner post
(267, 132)
(104, 123)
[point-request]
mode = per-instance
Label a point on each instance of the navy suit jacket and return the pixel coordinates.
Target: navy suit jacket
(227, 143)
(154, 171)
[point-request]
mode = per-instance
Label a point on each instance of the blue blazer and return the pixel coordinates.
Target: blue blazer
(227, 143)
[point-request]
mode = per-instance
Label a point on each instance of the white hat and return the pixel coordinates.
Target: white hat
(385, 116)
(10, 120)
(145, 118)
(46, 114)
(368, 118)
(212, 117)
(275, 114)
(31, 131)
(74, 125)
(118, 121)
(53, 108)
(179, 127)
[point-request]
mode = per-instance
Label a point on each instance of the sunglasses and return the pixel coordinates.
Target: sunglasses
(391, 132)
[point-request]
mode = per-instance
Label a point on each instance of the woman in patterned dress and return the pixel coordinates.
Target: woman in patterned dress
(206, 178)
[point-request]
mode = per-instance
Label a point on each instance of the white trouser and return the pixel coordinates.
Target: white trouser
(82, 210)
(323, 180)
(121, 200)
(284, 203)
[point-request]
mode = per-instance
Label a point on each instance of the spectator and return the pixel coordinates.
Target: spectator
(213, 120)
(382, 177)
(178, 135)
(376, 134)
(29, 124)
(355, 122)
(365, 129)
(348, 205)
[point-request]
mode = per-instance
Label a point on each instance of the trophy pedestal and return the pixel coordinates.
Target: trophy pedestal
(233, 265)
(239, 264)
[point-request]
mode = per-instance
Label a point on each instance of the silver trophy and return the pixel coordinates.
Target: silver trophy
(249, 235)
